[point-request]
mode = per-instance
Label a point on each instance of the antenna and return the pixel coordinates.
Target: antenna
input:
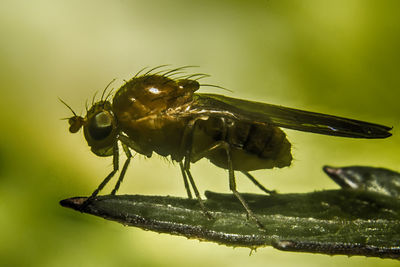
(73, 112)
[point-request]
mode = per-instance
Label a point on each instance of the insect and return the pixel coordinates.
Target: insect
(159, 112)
(366, 178)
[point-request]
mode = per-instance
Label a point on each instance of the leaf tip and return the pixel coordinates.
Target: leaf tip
(73, 203)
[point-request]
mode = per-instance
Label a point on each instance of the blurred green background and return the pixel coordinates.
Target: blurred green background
(337, 57)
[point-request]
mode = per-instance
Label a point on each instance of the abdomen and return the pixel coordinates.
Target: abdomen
(253, 146)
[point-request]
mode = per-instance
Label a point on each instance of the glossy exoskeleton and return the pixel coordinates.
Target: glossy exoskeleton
(156, 113)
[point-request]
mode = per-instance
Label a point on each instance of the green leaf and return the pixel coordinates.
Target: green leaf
(349, 222)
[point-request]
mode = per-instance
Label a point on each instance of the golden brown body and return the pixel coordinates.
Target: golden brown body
(155, 111)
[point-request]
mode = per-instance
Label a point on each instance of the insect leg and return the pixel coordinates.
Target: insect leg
(187, 139)
(232, 186)
(124, 168)
(232, 182)
(185, 149)
(251, 177)
(107, 179)
(196, 191)
(185, 180)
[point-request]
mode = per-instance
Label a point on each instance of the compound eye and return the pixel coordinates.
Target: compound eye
(101, 126)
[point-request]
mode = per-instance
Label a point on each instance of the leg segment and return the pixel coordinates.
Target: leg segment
(124, 168)
(185, 180)
(187, 137)
(251, 177)
(232, 186)
(232, 182)
(196, 191)
(107, 179)
(185, 149)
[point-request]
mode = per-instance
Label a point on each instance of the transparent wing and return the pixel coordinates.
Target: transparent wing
(212, 104)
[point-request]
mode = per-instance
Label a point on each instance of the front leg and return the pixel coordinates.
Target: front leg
(124, 168)
(107, 179)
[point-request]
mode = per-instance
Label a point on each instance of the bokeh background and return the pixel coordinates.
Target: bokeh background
(337, 57)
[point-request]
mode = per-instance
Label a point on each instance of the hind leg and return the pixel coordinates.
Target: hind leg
(232, 181)
(257, 183)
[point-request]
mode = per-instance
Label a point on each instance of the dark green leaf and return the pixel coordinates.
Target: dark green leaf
(349, 222)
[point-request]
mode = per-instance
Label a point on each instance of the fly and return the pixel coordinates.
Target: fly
(156, 113)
